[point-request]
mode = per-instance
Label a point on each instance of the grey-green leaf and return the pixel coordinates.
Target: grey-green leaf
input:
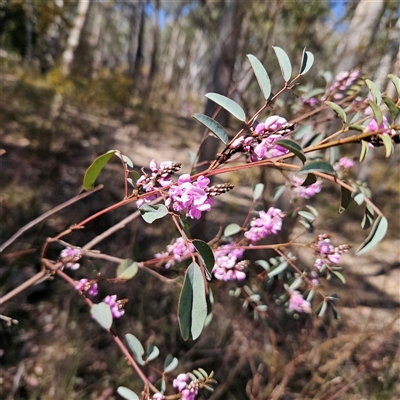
(338, 110)
(292, 146)
(213, 126)
(284, 63)
(317, 166)
(278, 269)
(102, 314)
(136, 347)
(377, 233)
(387, 142)
(127, 393)
(394, 110)
(310, 179)
(396, 82)
(95, 168)
(364, 150)
(127, 269)
(345, 199)
(152, 353)
(232, 229)
(376, 93)
(152, 212)
(321, 309)
(170, 363)
(307, 62)
(261, 75)
(205, 252)
(231, 106)
(258, 190)
(278, 192)
(377, 112)
(192, 310)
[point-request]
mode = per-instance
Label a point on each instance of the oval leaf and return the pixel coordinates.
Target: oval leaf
(396, 82)
(377, 112)
(377, 233)
(192, 310)
(387, 142)
(258, 190)
(213, 126)
(394, 110)
(152, 353)
(170, 364)
(127, 269)
(321, 309)
(307, 62)
(261, 75)
(152, 212)
(338, 110)
(345, 199)
(356, 127)
(293, 147)
(232, 229)
(317, 166)
(278, 269)
(364, 150)
(127, 393)
(376, 93)
(231, 106)
(307, 215)
(136, 347)
(102, 314)
(278, 192)
(284, 62)
(95, 168)
(205, 252)
(311, 178)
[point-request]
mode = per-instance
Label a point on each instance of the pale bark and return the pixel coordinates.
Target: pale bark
(74, 37)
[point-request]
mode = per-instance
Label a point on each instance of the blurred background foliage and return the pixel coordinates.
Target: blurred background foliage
(79, 78)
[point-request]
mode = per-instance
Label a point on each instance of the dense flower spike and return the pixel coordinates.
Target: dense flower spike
(180, 250)
(89, 287)
(189, 196)
(298, 303)
(188, 391)
(227, 267)
(326, 253)
(115, 306)
(342, 86)
(268, 223)
(305, 192)
(69, 256)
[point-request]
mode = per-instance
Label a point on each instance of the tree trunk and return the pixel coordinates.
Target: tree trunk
(74, 37)
(29, 30)
(154, 50)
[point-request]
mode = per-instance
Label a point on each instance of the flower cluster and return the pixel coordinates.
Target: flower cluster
(343, 84)
(159, 178)
(269, 222)
(116, 307)
(227, 267)
(69, 257)
(188, 391)
(179, 250)
(191, 196)
(343, 164)
(305, 192)
(326, 253)
(88, 287)
(298, 303)
(260, 144)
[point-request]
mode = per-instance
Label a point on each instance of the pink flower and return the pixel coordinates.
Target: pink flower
(326, 253)
(298, 303)
(116, 307)
(267, 149)
(180, 250)
(343, 163)
(227, 267)
(384, 127)
(305, 192)
(158, 396)
(180, 382)
(69, 256)
(85, 285)
(268, 223)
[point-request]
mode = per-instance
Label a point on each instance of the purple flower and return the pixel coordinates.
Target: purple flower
(180, 250)
(271, 124)
(343, 81)
(343, 164)
(190, 196)
(326, 253)
(180, 382)
(85, 285)
(268, 223)
(298, 303)
(69, 256)
(227, 267)
(267, 149)
(158, 396)
(384, 127)
(116, 307)
(305, 192)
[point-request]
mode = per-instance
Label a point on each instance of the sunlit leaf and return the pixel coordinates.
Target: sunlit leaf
(95, 168)
(358, 198)
(377, 233)
(213, 126)
(278, 192)
(317, 166)
(340, 276)
(313, 93)
(376, 93)
(231, 106)
(345, 199)
(264, 264)
(232, 229)
(277, 269)
(102, 314)
(127, 269)
(396, 82)
(307, 62)
(293, 147)
(258, 190)
(364, 150)
(394, 110)
(127, 393)
(387, 142)
(136, 347)
(313, 210)
(204, 373)
(338, 110)
(170, 363)
(192, 310)
(307, 215)
(152, 352)
(261, 75)
(152, 212)
(356, 127)
(377, 112)
(284, 63)
(321, 309)
(368, 217)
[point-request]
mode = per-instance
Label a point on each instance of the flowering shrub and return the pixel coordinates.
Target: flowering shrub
(160, 193)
